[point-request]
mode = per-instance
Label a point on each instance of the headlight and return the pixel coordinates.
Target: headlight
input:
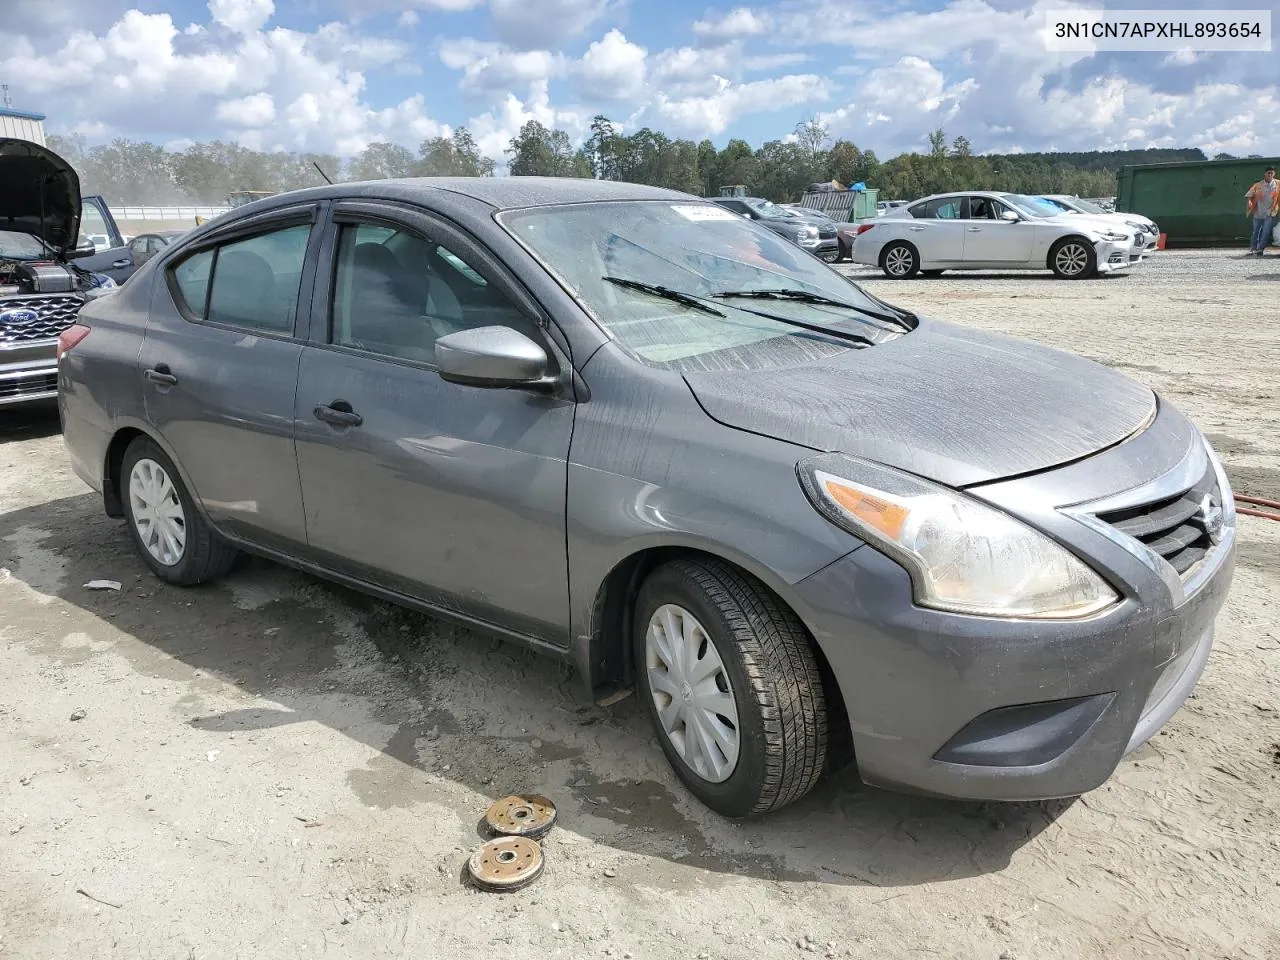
(1114, 236)
(962, 555)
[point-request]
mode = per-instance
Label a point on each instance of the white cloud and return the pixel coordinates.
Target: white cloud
(494, 129)
(737, 23)
(255, 110)
(408, 20)
(242, 16)
(713, 114)
(534, 24)
(489, 68)
(613, 68)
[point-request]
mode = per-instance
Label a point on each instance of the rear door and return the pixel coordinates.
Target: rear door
(989, 239)
(220, 368)
(936, 228)
(451, 494)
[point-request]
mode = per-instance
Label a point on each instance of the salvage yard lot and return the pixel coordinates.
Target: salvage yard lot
(275, 767)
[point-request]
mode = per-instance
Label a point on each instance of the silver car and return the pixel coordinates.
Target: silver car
(991, 231)
(643, 434)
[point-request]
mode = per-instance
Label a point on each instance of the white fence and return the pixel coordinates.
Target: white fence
(164, 213)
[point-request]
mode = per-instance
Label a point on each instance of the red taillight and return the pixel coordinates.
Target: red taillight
(69, 337)
(863, 228)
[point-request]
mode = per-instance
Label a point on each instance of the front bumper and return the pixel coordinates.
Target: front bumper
(989, 709)
(28, 372)
(1113, 256)
(821, 248)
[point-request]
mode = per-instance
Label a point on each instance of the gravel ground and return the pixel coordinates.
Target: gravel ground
(272, 767)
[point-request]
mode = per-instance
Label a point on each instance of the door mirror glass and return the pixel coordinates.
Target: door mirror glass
(84, 248)
(490, 357)
(1010, 217)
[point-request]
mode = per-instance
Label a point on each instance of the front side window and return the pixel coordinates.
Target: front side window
(94, 226)
(395, 293)
(703, 251)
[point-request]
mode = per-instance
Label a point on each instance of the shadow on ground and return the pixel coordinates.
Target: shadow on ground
(443, 691)
(29, 421)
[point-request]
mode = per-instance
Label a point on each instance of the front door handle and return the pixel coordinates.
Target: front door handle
(915, 229)
(121, 264)
(338, 414)
(160, 375)
(975, 229)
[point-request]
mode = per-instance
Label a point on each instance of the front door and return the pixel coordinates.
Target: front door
(989, 239)
(451, 494)
(220, 366)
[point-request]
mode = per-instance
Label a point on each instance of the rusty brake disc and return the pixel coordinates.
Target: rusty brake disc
(506, 863)
(529, 815)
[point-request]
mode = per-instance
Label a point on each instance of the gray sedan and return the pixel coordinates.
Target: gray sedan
(641, 433)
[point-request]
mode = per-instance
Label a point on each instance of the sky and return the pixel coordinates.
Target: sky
(314, 75)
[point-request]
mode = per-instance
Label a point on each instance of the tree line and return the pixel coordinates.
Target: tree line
(129, 171)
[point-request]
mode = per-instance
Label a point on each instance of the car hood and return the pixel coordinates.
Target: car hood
(39, 193)
(956, 405)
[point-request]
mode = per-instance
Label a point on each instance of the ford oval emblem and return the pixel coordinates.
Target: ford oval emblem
(18, 318)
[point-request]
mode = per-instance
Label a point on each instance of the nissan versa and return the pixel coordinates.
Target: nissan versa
(642, 433)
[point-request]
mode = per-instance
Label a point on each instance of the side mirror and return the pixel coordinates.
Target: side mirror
(491, 357)
(84, 248)
(1010, 217)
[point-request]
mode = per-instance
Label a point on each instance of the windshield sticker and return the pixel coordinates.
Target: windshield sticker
(705, 211)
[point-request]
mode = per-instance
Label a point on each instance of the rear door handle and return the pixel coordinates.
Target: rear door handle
(118, 264)
(915, 229)
(159, 374)
(338, 414)
(975, 229)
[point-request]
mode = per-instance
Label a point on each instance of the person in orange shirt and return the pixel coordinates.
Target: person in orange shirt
(1263, 204)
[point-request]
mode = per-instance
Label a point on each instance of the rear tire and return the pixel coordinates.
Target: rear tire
(1073, 258)
(900, 261)
(173, 538)
(742, 718)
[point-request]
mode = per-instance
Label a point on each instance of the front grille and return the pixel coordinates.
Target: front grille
(57, 312)
(22, 386)
(1175, 527)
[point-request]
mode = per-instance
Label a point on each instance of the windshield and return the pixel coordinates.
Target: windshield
(769, 209)
(21, 246)
(1032, 206)
(697, 249)
(1086, 206)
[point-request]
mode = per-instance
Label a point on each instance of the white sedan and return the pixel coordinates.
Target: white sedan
(991, 231)
(1144, 228)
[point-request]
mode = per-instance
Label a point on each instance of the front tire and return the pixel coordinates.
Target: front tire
(731, 683)
(167, 528)
(900, 261)
(1073, 258)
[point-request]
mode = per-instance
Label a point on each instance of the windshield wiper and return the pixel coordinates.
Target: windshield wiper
(805, 296)
(699, 303)
(657, 290)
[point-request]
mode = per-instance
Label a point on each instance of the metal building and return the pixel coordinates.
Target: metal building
(21, 125)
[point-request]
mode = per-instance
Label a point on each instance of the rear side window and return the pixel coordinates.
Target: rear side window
(192, 275)
(255, 281)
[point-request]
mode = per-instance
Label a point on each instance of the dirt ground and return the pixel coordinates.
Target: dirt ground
(275, 768)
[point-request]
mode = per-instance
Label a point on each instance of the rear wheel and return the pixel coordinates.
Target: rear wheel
(731, 683)
(173, 538)
(900, 261)
(1073, 258)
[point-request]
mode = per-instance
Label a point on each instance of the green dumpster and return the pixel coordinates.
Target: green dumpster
(1194, 203)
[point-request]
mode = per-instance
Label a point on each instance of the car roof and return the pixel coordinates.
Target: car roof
(500, 193)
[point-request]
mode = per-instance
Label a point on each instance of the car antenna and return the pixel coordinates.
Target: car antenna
(322, 173)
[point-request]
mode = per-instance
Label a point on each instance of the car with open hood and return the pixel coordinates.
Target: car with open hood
(638, 432)
(43, 281)
(985, 230)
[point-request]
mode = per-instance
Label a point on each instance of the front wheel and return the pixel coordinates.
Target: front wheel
(900, 261)
(731, 683)
(1073, 258)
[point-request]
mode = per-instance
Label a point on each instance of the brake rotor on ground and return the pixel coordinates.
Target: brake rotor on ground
(506, 863)
(529, 815)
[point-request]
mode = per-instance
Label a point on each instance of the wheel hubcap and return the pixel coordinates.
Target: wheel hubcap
(691, 691)
(1072, 258)
(898, 261)
(157, 512)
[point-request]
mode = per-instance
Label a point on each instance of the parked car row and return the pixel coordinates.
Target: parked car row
(984, 230)
(807, 229)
